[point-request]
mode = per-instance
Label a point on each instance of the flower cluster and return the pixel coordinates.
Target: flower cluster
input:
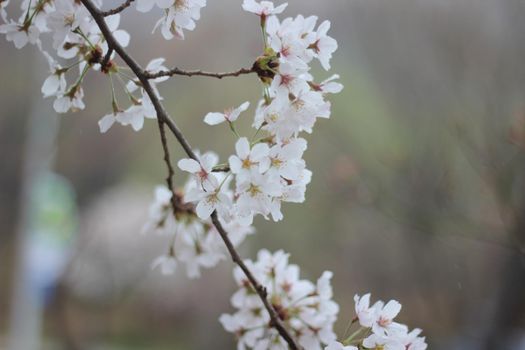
(76, 39)
(306, 309)
(78, 43)
(378, 329)
(269, 170)
(194, 243)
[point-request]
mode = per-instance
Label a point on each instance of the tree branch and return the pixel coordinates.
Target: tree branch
(191, 73)
(163, 118)
(116, 10)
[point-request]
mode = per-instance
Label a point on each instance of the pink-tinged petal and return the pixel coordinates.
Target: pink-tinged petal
(214, 118)
(189, 165)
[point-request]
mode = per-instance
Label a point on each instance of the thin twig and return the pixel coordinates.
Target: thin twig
(191, 73)
(163, 118)
(116, 10)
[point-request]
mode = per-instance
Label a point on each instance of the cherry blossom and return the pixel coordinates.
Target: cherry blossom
(20, 34)
(166, 263)
(306, 309)
(264, 8)
(229, 115)
(246, 161)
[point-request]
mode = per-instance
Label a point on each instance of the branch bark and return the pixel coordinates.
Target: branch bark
(164, 119)
(116, 10)
(191, 73)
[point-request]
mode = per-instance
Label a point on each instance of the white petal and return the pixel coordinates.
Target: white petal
(106, 122)
(189, 165)
(204, 209)
(243, 148)
(214, 118)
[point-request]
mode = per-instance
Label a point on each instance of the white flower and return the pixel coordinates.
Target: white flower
(201, 169)
(328, 86)
(324, 46)
(55, 83)
(290, 79)
(209, 198)
(255, 195)
(385, 315)
(264, 8)
(376, 341)
(365, 314)
(72, 100)
(66, 17)
(166, 263)
(412, 340)
(247, 159)
(198, 246)
(19, 34)
(247, 333)
(160, 214)
(230, 115)
(286, 159)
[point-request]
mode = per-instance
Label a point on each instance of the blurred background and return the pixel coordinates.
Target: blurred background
(418, 191)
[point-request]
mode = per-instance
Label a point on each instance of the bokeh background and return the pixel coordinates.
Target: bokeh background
(418, 191)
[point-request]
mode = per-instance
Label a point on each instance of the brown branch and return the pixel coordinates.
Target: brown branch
(163, 118)
(191, 73)
(116, 10)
